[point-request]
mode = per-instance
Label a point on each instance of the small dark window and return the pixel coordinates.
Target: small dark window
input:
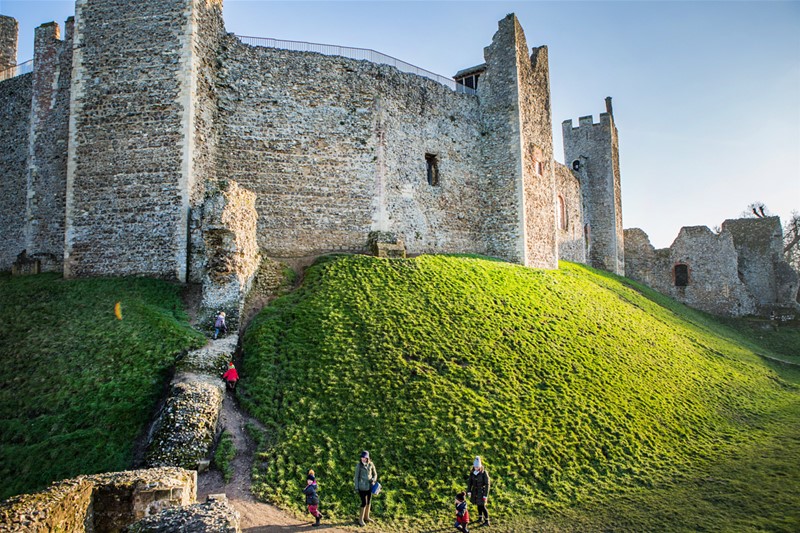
(576, 165)
(469, 81)
(432, 162)
(681, 275)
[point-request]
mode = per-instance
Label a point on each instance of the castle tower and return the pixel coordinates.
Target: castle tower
(138, 106)
(592, 150)
(514, 93)
(9, 31)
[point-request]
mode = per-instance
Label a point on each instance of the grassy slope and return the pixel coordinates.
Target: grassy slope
(590, 400)
(78, 385)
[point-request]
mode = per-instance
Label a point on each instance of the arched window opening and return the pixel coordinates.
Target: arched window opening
(681, 272)
(562, 213)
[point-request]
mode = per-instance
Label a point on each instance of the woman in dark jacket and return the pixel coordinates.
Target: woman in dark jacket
(365, 477)
(478, 489)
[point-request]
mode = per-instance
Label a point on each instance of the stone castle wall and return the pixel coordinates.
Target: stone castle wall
(571, 240)
(335, 148)
(711, 261)
(759, 243)
(157, 105)
(15, 113)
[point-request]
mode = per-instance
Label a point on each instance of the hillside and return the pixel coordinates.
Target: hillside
(79, 385)
(595, 403)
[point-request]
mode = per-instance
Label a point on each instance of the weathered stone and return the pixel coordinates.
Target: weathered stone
(592, 150)
(736, 272)
(214, 516)
(229, 235)
(102, 502)
(9, 31)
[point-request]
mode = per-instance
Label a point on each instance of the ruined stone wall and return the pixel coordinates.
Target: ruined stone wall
(9, 32)
(335, 148)
(538, 167)
(102, 502)
(47, 169)
(759, 244)
(713, 282)
(130, 150)
(596, 145)
(571, 241)
(15, 111)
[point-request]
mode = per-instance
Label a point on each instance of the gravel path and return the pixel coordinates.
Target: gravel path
(256, 517)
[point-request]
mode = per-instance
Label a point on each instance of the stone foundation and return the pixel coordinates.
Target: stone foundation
(102, 502)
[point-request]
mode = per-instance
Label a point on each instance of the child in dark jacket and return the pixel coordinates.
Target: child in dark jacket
(462, 514)
(312, 498)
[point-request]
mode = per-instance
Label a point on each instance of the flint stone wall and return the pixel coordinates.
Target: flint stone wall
(596, 146)
(130, 149)
(759, 244)
(9, 31)
(185, 429)
(15, 112)
(103, 502)
(213, 516)
(713, 286)
(47, 169)
(571, 241)
(335, 148)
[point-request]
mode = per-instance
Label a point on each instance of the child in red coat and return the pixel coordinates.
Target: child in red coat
(231, 376)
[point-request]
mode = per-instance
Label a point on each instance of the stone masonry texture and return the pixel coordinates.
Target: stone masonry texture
(571, 241)
(47, 162)
(15, 111)
(9, 31)
(596, 147)
(102, 502)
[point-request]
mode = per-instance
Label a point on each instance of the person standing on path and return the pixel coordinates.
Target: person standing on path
(312, 498)
(365, 477)
(478, 490)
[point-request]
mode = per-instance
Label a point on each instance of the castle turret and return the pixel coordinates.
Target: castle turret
(9, 31)
(592, 151)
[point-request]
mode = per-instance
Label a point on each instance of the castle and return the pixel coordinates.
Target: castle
(151, 142)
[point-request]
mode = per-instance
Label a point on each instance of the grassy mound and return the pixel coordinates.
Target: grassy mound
(78, 384)
(576, 389)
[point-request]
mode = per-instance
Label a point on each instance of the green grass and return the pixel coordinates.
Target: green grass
(223, 456)
(78, 385)
(595, 402)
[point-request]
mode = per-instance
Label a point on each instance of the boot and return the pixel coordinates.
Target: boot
(316, 524)
(486, 522)
(361, 518)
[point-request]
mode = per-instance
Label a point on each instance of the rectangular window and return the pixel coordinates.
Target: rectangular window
(432, 163)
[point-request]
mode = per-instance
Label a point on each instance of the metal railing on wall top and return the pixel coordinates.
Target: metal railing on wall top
(19, 70)
(363, 54)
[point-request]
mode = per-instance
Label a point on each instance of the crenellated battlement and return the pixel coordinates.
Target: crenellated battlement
(605, 121)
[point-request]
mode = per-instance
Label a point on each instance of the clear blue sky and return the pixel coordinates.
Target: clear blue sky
(706, 94)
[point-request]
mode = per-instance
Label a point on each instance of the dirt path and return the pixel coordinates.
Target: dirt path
(256, 517)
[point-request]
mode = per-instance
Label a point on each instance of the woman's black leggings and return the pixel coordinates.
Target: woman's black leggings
(366, 497)
(482, 511)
